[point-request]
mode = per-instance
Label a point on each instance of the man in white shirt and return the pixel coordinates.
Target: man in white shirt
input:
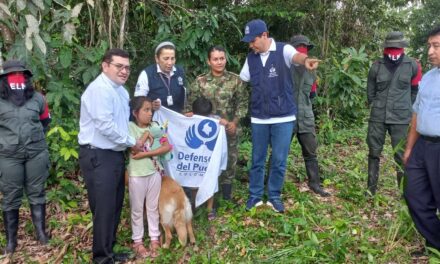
(103, 137)
(272, 108)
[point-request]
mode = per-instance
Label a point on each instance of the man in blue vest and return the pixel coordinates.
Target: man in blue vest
(273, 109)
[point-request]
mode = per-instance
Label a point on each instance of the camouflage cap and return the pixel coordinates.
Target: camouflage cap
(14, 66)
(301, 39)
(395, 39)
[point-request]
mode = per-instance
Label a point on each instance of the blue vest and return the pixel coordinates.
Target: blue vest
(272, 86)
(158, 89)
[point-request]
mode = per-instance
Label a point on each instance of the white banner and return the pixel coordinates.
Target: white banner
(200, 151)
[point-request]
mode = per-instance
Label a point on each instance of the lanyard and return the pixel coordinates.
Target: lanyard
(167, 84)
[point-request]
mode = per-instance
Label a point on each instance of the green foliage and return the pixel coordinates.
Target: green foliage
(65, 193)
(63, 147)
(421, 26)
(344, 92)
(194, 32)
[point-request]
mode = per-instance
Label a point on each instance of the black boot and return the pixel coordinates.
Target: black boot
(38, 212)
(312, 170)
(10, 219)
(373, 175)
(227, 191)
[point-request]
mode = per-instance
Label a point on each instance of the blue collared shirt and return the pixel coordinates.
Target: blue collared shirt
(104, 115)
(427, 104)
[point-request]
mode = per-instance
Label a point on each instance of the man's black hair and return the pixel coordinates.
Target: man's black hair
(108, 56)
(434, 32)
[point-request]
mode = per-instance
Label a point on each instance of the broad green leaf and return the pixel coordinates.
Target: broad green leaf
(63, 151)
(206, 36)
(32, 23)
(28, 40)
(76, 10)
(5, 9)
(52, 130)
(69, 32)
(39, 4)
(66, 57)
(91, 3)
(64, 135)
(72, 204)
(67, 155)
(40, 43)
(74, 153)
(21, 5)
(314, 239)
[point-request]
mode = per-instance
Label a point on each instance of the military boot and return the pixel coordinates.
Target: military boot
(312, 170)
(10, 219)
(227, 191)
(38, 212)
(373, 175)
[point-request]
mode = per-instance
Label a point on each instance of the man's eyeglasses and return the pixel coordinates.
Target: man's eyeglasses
(121, 67)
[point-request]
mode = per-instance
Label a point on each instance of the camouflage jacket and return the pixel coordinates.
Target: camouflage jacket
(228, 94)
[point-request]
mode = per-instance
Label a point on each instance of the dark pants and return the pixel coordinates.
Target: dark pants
(309, 145)
(376, 140)
(103, 172)
(422, 191)
(23, 174)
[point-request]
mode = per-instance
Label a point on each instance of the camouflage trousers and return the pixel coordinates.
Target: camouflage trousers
(228, 175)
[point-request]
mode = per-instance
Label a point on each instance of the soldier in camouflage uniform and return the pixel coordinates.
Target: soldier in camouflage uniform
(229, 97)
(305, 84)
(391, 89)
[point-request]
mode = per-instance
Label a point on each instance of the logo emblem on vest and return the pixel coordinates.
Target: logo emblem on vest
(180, 80)
(205, 134)
(272, 72)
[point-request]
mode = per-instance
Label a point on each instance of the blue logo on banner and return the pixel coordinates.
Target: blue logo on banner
(205, 133)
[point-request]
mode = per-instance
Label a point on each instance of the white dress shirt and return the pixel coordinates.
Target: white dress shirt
(104, 115)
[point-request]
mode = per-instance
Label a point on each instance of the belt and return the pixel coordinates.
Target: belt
(88, 146)
(431, 139)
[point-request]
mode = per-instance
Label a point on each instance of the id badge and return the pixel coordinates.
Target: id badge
(170, 100)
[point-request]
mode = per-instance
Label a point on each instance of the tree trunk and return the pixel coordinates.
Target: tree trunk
(6, 33)
(122, 27)
(110, 21)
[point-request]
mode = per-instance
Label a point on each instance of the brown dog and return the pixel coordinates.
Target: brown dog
(175, 211)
